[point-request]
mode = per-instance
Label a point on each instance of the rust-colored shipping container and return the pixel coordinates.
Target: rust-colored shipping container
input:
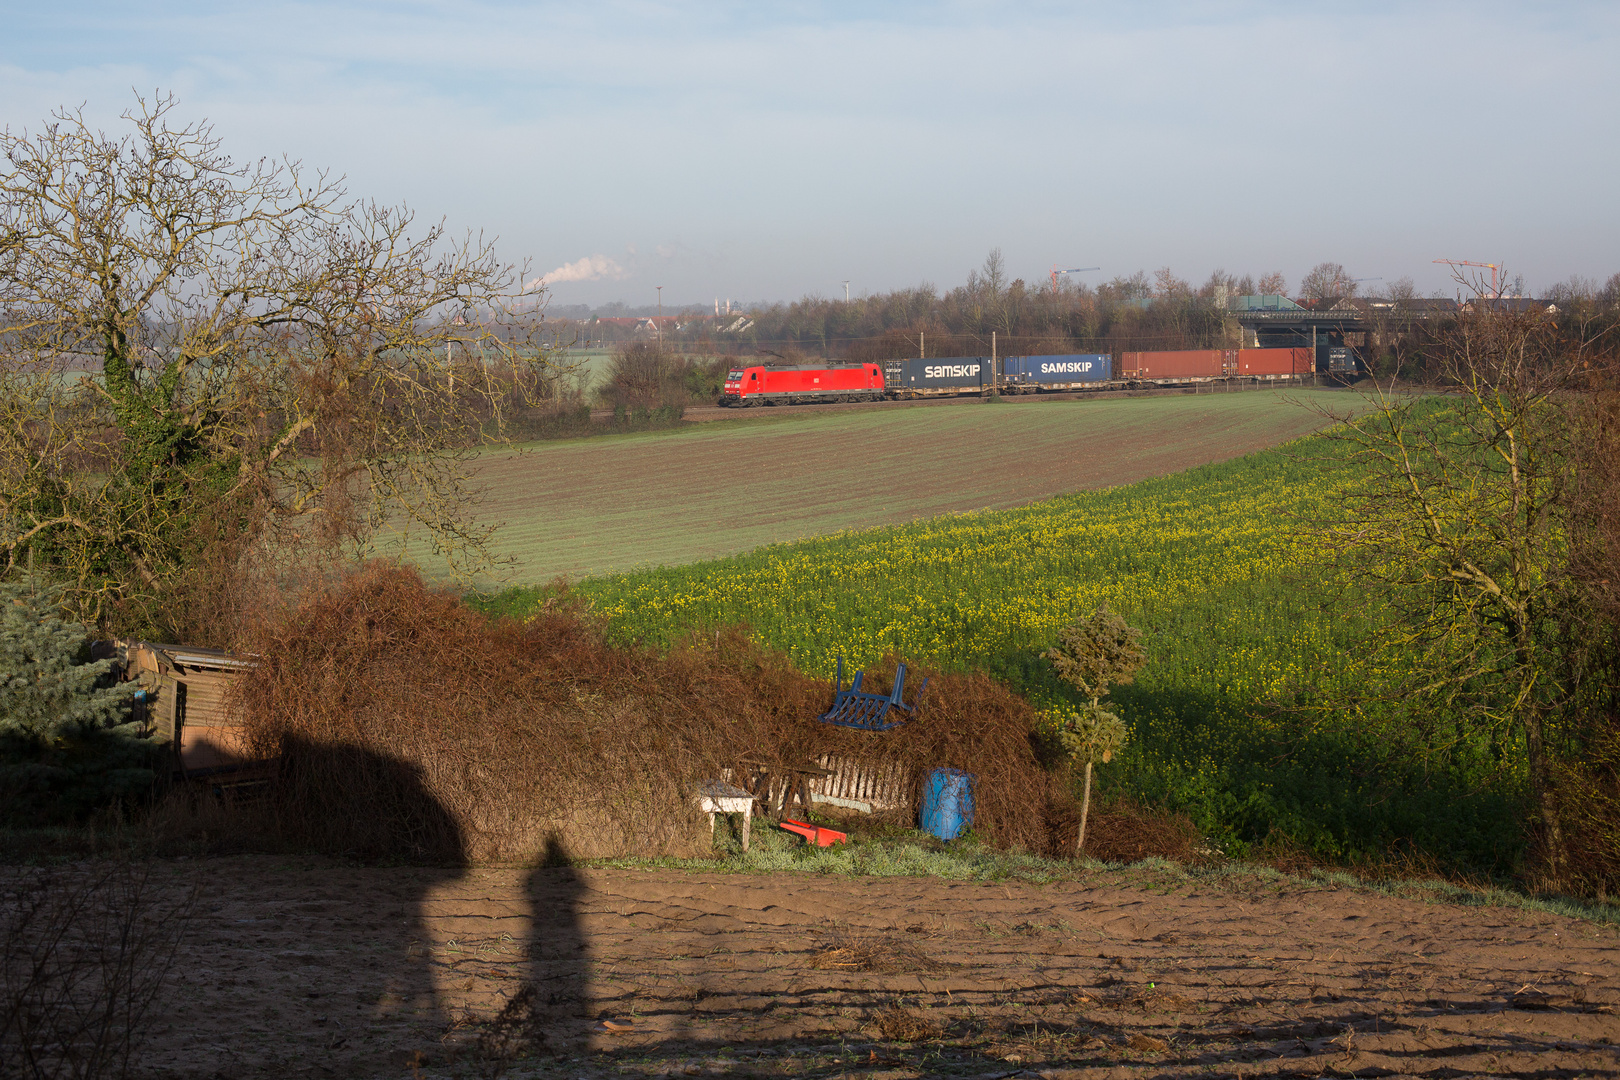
(1275, 362)
(1186, 364)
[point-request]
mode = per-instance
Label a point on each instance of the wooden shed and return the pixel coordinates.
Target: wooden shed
(183, 697)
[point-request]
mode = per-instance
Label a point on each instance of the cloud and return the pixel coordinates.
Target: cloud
(1118, 97)
(590, 268)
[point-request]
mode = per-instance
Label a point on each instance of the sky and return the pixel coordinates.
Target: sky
(758, 151)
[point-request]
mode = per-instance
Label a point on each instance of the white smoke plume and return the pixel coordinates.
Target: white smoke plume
(590, 268)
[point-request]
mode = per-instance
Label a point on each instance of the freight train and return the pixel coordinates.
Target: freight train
(879, 380)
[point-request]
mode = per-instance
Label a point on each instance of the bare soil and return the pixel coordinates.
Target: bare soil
(313, 968)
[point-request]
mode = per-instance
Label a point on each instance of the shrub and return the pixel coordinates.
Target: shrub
(411, 726)
(83, 954)
(68, 745)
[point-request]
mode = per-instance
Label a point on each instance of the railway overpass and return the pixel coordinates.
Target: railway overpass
(1275, 322)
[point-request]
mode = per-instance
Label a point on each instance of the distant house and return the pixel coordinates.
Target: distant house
(651, 324)
(1523, 304)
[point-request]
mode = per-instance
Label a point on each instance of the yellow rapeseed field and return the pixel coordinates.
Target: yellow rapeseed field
(968, 587)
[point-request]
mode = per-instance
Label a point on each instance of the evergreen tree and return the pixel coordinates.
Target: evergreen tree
(68, 741)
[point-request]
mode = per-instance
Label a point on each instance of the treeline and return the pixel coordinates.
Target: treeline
(1142, 311)
(1125, 314)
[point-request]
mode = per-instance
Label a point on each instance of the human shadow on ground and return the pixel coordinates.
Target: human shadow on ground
(550, 1011)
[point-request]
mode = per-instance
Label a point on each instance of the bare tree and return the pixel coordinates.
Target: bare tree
(196, 353)
(84, 953)
(1391, 314)
(1575, 292)
(1166, 286)
(994, 276)
(1460, 524)
(985, 294)
(1135, 287)
(1326, 281)
(1610, 296)
(1273, 284)
(1219, 284)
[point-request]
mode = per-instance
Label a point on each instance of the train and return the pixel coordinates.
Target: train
(917, 377)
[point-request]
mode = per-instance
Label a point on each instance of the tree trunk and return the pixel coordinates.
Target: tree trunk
(1543, 790)
(1085, 807)
(1543, 785)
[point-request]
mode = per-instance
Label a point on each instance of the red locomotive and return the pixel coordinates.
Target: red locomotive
(800, 385)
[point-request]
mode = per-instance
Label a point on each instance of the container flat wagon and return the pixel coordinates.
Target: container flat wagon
(944, 376)
(1188, 365)
(1275, 363)
(1078, 371)
(801, 385)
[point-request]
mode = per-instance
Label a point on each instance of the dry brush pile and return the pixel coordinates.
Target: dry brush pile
(408, 725)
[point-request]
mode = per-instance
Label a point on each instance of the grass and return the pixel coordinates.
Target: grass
(966, 859)
(610, 505)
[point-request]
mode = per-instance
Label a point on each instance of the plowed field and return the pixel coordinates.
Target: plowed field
(322, 969)
(601, 505)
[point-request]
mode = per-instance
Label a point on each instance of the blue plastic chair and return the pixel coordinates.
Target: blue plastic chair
(853, 707)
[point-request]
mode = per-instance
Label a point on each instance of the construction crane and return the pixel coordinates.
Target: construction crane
(1496, 289)
(1081, 270)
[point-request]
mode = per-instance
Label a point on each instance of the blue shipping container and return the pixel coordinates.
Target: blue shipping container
(944, 374)
(1062, 369)
(947, 806)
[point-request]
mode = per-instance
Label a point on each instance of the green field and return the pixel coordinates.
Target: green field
(1248, 625)
(593, 365)
(603, 505)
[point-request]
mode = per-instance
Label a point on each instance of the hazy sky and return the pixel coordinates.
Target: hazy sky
(765, 151)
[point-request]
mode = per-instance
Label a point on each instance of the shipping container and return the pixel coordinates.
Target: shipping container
(920, 376)
(1056, 372)
(1275, 363)
(802, 384)
(1183, 366)
(1341, 360)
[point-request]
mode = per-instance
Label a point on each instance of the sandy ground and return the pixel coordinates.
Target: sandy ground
(318, 969)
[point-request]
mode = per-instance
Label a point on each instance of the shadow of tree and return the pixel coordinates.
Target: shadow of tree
(359, 804)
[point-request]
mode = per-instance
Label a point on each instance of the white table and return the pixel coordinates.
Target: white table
(719, 797)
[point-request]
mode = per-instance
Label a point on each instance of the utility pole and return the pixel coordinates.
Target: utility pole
(659, 322)
(992, 361)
